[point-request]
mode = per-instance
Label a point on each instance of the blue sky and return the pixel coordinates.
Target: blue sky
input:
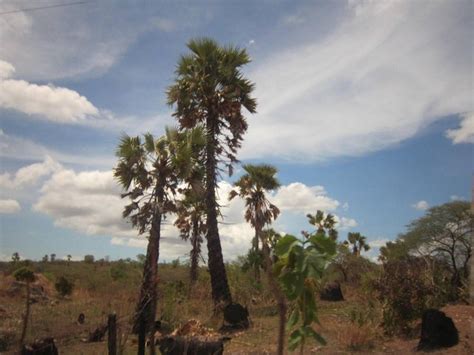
(365, 107)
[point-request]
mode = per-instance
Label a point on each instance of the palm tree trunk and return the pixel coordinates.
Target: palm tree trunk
(146, 306)
(219, 283)
(257, 265)
(27, 315)
(279, 296)
(196, 249)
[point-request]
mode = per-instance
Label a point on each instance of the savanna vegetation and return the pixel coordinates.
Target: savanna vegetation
(281, 278)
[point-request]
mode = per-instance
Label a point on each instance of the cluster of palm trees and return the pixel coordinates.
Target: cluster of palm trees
(178, 172)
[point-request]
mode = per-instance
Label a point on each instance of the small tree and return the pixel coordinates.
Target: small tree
(15, 257)
(45, 258)
(300, 265)
(89, 259)
(52, 257)
(405, 291)
(63, 286)
(25, 275)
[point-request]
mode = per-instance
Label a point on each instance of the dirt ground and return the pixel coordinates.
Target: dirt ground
(57, 317)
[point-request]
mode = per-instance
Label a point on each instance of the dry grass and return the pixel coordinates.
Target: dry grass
(100, 295)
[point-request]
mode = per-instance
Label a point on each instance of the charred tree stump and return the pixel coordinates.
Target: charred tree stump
(437, 331)
(332, 292)
(112, 336)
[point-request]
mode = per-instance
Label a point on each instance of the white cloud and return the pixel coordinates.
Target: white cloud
(385, 72)
(298, 197)
(24, 149)
(9, 206)
(6, 70)
(456, 198)
(345, 206)
(30, 174)
(43, 101)
(84, 40)
(465, 133)
(377, 243)
(421, 205)
(89, 202)
(345, 223)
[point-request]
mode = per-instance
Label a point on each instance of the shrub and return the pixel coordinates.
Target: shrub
(118, 271)
(405, 290)
(64, 287)
(89, 259)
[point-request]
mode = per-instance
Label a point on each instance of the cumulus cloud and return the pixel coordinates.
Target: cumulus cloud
(9, 206)
(6, 70)
(345, 223)
(385, 72)
(48, 102)
(30, 174)
(89, 202)
(465, 133)
(455, 198)
(421, 205)
(298, 197)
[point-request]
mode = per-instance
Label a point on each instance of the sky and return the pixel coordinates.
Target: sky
(365, 108)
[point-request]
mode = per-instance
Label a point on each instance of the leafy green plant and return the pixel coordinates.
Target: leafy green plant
(301, 263)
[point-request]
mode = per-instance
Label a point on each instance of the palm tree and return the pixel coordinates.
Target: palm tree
(358, 243)
(211, 90)
(192, 225)
(259, 212)
(322, 224)
(148, 172)
(191, 209)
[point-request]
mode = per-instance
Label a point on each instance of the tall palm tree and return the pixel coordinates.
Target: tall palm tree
(210, 90)
(259, 212)
(358, 243)
(148, 170)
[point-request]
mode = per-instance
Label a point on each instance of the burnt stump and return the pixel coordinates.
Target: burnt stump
(437, 331)
(236, 317)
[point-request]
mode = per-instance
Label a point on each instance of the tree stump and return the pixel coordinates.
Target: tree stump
(236, 317)
(44, 346)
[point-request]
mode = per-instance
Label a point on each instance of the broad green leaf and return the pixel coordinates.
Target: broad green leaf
(284, 244)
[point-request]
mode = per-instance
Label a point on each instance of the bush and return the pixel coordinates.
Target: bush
(118, 271)
(405, 290)
(64, 287)
(89, 259)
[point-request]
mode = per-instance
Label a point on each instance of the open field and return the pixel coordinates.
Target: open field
(348, 326)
